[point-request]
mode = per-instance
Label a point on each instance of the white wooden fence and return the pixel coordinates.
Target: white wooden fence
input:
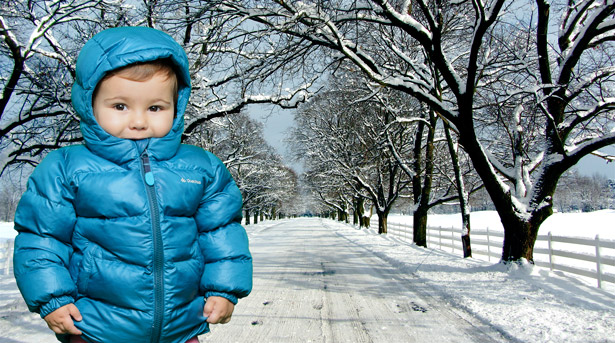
(592, 258)
(6, 256)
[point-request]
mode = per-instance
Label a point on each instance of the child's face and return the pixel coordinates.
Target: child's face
(135, 109)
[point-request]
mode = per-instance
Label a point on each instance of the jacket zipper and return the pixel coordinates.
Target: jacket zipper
(158, 262)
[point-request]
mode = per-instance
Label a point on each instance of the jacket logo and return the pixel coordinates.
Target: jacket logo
(190, 181)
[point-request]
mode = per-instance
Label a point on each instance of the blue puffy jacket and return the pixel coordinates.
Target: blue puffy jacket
(135, 233)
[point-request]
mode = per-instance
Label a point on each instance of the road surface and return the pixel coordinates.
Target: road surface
(312, 285)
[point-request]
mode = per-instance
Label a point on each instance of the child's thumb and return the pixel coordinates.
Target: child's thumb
(74, 312)
(208, 308)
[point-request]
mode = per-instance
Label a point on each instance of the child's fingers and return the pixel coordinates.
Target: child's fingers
(60, 321)
(72, 329)
(65, 327)
(69, 328)
(218, 317)
(212, 318)
(218, 310)
(225, 319)
(74, 312)
(209, 307)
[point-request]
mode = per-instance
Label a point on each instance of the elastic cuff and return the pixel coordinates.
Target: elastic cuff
(55, 304)
(228, 296)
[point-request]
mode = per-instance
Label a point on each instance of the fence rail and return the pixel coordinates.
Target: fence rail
(580, 256)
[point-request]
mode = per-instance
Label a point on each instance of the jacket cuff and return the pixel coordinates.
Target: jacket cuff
(228, 296)
(55, 304)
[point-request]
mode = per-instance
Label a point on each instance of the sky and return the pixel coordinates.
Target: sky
(590, 165)
(277, 124)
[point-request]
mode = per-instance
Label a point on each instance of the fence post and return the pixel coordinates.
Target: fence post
(598, 267)
(550, 251)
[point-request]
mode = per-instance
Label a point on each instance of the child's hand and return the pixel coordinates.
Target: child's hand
(218, 310)
(60, 321)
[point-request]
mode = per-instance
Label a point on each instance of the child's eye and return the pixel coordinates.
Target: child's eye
(119, 107)
(155, 108)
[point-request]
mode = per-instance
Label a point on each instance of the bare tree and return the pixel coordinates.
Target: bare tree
(11, 189)
(343, 133)
(265, 183)
(40, 43)
(37, 71)
(559, 85)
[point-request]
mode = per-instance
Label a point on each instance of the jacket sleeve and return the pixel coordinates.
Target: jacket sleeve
(45, 219)
(223, 241)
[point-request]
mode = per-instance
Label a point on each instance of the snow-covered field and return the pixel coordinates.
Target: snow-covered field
(526, 303)
(586, 225)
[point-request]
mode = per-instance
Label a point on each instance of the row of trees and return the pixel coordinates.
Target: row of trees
(526, 85)
(39, 46)
(361, 145)
(270, 189)
(521, 89)
(584, 193)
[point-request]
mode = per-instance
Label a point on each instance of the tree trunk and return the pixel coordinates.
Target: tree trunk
(422, 187)
(519, 232)
(464, 201)
(247, 217)
(519, 241)
(355, 212)
(382, 221)
(365, 221)
(465, 236)
(419, 230)
(255, 217)
(359, 211)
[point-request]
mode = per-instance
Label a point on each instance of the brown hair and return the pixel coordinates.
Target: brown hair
(143, 71)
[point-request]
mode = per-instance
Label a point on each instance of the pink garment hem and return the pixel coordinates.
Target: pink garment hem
(78, 339)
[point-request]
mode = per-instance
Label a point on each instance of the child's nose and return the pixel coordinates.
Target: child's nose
(138, 121)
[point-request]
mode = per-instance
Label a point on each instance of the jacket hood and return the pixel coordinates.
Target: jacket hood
(115, 48)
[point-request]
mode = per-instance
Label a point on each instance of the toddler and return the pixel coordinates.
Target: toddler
(132, 237)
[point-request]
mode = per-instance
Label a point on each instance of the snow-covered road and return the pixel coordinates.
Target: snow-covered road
(320, 280)
(313, 285)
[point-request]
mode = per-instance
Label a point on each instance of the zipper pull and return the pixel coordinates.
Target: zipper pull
(149, 176)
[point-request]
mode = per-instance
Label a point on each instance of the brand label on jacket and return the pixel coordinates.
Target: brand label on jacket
(190, 181)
